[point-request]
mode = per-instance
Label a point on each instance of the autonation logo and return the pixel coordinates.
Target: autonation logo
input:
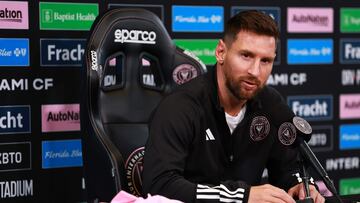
(14, 119)
(349, 136)
(197, 19)
(14, 52)
(350, 51)
(61, 154)
(60, 117)
(349, 106)
(310, 20)
(14, 15)
(312, 107)
(310, 51)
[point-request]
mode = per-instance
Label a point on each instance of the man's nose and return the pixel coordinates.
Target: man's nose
(254, 68)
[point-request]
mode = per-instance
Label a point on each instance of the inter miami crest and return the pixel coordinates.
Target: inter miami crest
(134, 166)
(287, 133)
(259, 128)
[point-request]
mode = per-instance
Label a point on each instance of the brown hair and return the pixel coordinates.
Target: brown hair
(252, 21)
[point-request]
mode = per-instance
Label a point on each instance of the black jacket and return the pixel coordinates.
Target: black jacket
(191, 156)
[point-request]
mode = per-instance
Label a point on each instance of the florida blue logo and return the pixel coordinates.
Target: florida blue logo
(61, 154)
(62, 52)
(14, 119)
(197, 19)
(349, 136)
(310, 51)
(312, 108)
(14, 52)
(349, 51)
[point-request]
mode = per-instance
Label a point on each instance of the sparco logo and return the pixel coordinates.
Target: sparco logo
(94, 61)
(135, 36)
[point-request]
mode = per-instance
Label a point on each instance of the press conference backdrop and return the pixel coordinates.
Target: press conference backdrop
(317, 69)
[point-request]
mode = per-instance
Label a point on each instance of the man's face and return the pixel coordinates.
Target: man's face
(248, 63)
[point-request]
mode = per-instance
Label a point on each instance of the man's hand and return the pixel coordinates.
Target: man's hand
(298, 191)
(269, 194)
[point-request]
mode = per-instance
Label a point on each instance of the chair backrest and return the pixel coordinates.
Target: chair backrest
(131, 64)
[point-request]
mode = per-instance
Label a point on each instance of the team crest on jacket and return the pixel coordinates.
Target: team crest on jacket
(259, 128)
(134, 166)
(287, 133)
(183, 73)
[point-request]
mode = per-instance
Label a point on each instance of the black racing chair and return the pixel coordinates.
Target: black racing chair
(131, 64)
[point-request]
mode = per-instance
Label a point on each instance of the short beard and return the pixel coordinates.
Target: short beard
(233, 85)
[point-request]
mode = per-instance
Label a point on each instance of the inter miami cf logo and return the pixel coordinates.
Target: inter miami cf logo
(259, 128)
(287, 133)
(183, 73)
(134, 166)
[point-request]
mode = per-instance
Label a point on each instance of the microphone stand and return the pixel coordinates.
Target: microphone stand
(305, 179)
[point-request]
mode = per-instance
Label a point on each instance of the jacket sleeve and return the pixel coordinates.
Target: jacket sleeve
(171, 132)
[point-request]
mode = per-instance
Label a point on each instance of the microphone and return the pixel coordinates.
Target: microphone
(297, 131)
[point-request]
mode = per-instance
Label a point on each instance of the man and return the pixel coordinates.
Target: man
(211, 139)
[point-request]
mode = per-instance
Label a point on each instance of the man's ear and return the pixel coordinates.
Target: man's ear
(220, 52)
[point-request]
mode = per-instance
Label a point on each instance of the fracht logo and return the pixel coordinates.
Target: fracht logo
(67, 16)
(62, 52)
(312, 108)
(14, 119)
(349, 136)
(310, 51)
(61, 154)
(197, 19)
(14, 52)
(350, 51)
(350, 20)
(273, 12)
(14, 15)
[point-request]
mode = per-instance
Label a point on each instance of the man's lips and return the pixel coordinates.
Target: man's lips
(249, 85)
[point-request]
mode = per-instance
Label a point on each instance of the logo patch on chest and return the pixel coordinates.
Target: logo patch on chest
(259, 128)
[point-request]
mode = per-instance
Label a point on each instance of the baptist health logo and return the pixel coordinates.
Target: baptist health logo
(312, 107)
(350, 20)
(61, 154)
(14, 119)
(14, 52)
(349, 186)
(197, 18)
(67, 16)
(310, 51)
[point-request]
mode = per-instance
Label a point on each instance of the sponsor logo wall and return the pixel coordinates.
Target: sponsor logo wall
(41, 57)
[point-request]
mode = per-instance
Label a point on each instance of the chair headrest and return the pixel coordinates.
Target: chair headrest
(130, 58)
